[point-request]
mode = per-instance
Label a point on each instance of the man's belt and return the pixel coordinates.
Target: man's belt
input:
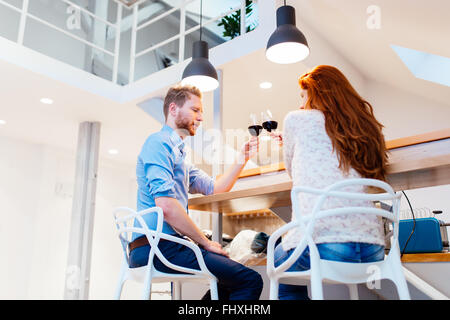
(137, 243)
(142, 241)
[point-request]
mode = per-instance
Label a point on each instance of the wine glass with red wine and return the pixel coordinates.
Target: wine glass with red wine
(268, 123)
(254, 128)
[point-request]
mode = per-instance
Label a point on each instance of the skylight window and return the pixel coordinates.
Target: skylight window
(424, 65)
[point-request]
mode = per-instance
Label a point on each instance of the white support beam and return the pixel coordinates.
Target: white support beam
(218, 144)
(83, 209)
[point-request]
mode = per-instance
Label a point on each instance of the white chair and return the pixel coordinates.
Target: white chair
(124, 218)
(333, 271)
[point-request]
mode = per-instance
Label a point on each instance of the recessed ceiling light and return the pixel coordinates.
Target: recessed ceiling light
(46, 101)
(113, 151)
(2, 122)
(265, 85)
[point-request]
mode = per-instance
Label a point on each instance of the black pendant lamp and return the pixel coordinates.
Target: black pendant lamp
(200, 72)
(287, 44)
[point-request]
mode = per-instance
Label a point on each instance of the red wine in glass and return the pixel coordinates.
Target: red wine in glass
(255, 129)
(270, 125)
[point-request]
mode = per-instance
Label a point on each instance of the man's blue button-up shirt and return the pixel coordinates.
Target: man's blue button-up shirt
(161, 171)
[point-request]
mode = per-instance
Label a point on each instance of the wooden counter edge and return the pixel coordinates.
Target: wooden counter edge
(426, 257)
(407, 258)
(417, 139)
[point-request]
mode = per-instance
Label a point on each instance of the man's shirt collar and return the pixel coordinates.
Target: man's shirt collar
(174, 137)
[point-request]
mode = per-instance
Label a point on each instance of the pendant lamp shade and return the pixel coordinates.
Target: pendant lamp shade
(287, 44)
(200, 72)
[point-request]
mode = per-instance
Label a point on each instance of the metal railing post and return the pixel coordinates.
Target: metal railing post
(23, 20)
(133, 45)
(182, 31)
(243, 17)
(117, 43)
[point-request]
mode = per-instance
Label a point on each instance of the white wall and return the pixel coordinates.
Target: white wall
(19, 183)
(36, 193)
(405, 114)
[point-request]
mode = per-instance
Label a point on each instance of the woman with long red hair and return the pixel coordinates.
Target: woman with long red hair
(333, 136)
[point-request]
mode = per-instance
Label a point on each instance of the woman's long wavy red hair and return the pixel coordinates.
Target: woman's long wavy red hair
(349, 121)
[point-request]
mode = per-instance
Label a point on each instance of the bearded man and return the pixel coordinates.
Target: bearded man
(165, 179)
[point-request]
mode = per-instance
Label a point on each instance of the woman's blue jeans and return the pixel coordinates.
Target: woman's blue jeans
(343, 251)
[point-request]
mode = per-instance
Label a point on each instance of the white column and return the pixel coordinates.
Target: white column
(83, 209)
(217, 167)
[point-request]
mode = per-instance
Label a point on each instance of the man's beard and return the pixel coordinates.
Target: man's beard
(185, 124)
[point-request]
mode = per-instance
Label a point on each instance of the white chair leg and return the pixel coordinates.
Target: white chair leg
(401, 284)
(273, 290)
(122, 279)
(146, 294)
(403, 292)
(176, 290)
(353, 289)
(316, 286)
(213, 290)
(119, 288)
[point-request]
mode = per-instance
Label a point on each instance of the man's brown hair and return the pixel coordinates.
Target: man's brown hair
(179, 94)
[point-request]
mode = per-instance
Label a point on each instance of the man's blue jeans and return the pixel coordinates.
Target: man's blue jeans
(343, 251)
(235, 281)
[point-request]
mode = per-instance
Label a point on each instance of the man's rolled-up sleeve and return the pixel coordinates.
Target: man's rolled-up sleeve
(200, 181)
(158, 165)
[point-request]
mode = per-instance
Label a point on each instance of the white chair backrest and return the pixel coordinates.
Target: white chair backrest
(306, 223)
(125, 221)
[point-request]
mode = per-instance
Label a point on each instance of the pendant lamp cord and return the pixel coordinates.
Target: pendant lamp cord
(201, 15)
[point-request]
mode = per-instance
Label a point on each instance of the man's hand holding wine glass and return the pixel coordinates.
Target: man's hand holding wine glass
(250, 148)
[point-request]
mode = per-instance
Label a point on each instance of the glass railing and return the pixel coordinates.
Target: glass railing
(123, 41)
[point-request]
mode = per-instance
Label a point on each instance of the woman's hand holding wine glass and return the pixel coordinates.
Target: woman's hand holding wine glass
(278, 137)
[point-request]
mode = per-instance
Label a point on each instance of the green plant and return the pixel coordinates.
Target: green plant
(232, 22)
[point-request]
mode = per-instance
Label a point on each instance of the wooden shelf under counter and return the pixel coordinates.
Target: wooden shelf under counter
(407, 258)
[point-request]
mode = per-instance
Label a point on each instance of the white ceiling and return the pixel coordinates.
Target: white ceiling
(420, 25)
(415, 24)
(123, 126)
